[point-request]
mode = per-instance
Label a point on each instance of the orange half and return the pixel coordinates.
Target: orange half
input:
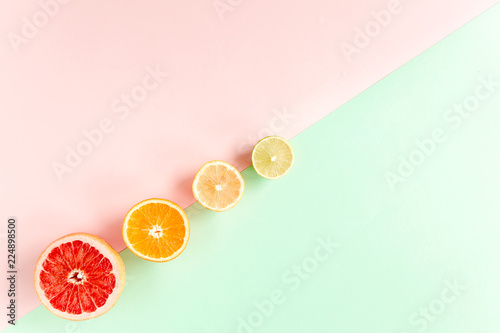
(156, 230)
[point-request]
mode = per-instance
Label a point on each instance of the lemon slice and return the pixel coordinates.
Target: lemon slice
(272, 157)
(218, 186)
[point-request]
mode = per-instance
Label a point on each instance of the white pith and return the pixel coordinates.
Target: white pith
(156, 231)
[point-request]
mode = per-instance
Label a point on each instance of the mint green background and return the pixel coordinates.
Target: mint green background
(397, 248)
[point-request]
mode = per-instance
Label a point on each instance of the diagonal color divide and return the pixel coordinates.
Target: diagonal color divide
(107, 104)
(330, 247)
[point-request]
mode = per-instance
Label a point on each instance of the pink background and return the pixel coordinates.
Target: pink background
(228, 80)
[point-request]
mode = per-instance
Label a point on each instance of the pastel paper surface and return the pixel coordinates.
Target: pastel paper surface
(267, 67)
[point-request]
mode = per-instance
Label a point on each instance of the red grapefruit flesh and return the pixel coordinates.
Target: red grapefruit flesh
(79, 277)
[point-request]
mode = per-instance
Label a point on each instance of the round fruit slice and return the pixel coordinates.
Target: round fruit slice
(218, 186)
(272, 157)
(79, 277)
(156, 230)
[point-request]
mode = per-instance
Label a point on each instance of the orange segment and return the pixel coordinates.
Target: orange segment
(156, 230)
(218, 186)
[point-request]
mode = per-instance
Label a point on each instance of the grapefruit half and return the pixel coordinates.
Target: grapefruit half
(79, 277)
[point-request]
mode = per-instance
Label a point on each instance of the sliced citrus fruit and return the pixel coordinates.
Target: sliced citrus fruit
(272, 157)
(218, 186)
(156, 230)
(79, 277)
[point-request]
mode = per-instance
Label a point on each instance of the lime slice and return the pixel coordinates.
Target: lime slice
(272, 157)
